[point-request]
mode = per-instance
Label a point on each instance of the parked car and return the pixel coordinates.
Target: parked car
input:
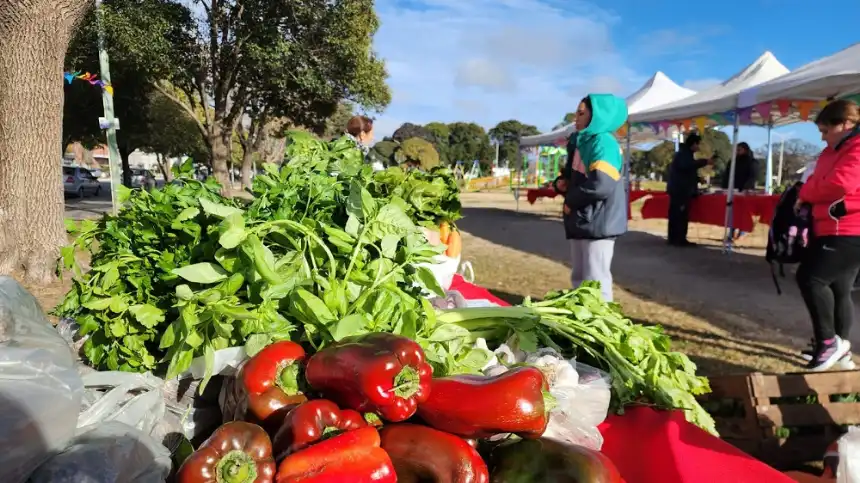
(142, 178)
(79, 181)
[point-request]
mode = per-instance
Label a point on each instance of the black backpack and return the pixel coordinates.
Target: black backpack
(790, 233)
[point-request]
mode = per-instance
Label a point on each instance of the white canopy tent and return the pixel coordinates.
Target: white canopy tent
(553, 138)
(717, 99)
(834, 76)
(658, 90)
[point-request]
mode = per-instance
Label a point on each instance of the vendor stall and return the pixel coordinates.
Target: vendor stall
(710, 209)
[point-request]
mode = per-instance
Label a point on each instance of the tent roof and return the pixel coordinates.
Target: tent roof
(717, 99)
(832, 76)
(658, 90)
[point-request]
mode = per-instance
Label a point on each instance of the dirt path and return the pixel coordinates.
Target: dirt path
(722, 308)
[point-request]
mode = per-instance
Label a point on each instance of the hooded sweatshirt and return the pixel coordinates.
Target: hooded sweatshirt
(595, 194)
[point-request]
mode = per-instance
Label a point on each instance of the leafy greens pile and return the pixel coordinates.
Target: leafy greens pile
(579, 323)
(182, 272)
(327, 248)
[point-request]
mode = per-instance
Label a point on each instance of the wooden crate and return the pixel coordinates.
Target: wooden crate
(755, 428)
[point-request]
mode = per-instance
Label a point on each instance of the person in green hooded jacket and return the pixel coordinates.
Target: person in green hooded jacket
(595, 199)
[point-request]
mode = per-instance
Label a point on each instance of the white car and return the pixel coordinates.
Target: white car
(80, 181)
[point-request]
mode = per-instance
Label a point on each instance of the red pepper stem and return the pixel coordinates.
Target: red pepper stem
(406, 383)
(236, 467)
(288, 379)
(549, 401)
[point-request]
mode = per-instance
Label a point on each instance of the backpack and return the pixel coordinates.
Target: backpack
(789, 235)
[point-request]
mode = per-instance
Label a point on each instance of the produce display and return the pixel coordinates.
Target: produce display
(378, 373)
(457, 404)
(237, 452)
(351, 373)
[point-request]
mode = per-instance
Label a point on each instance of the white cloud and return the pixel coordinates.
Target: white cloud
(484, 73)
(490, 60)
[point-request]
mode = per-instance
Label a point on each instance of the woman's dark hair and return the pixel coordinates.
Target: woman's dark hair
(746, 147)
(358, 125)
(587, 101)
(838, 112)
(692, 139)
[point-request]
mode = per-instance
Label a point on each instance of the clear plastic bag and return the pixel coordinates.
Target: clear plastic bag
(40, 388)
(848, 470)
(581, 393)
(133, 399)
(110, 452)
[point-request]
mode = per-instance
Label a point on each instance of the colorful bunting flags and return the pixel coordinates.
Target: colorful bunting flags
(804, 108)
(91, 78)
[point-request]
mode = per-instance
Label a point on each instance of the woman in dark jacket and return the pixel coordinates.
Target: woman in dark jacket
(746, 169)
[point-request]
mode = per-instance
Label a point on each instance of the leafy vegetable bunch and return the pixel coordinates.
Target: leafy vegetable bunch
(579, 323)
(182, 272)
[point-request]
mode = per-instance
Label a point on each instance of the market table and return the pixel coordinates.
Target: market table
(534, 194)
(711, 209)
(652, 446)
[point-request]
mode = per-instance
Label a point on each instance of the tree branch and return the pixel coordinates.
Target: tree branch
(184, 107)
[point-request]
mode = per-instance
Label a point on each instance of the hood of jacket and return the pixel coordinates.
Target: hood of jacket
(608, 114)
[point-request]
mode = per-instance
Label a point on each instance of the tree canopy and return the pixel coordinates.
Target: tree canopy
(469, 142)
(261, 59)
(507, 134)
(409, 131)
(417, 151)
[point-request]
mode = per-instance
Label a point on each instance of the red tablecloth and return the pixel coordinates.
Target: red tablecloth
(532, 195)
(650, 446)
(711, 209)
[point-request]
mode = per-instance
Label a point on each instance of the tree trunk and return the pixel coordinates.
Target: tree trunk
(164, 167)
(34, 36)
(247, 162)
(126, 167)
(221, 141)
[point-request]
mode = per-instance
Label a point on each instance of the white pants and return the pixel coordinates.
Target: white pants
(592, 260)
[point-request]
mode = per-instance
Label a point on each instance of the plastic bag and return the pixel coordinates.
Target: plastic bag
(40, 388)
(848, 470)
(581, 393)
(186, 412)
(133, 399)
(110, 452)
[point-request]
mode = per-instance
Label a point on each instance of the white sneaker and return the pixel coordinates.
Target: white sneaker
(827, 359)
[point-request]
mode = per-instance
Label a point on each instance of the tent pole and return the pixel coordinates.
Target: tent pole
(768, 176)
(731, 194)
(627, 158)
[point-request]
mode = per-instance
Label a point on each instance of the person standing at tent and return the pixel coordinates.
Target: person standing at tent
(683, 186)
(746, 170)
(831, 263)
(595, 203)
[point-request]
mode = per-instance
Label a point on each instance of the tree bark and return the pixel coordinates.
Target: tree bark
(221, 141)
(34, 36)
(124, 153)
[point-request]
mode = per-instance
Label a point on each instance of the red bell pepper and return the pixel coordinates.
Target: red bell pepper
(271, 382)
(381, 373)
(237, 452)
(311, 422)
(354, 456)
(550, 461)
(421, 453)
(517, 401)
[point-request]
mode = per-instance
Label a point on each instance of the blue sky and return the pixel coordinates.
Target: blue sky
(532, 60)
